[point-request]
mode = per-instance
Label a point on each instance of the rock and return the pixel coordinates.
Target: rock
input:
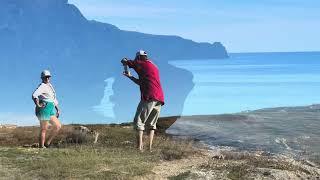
(220, 157)
(82, 134)
(266, 173)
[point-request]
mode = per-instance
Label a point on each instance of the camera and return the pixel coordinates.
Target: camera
(125, 66)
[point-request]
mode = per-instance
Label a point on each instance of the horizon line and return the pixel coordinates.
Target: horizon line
(265, 52)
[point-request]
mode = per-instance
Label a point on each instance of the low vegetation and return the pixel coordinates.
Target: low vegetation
(113, 157)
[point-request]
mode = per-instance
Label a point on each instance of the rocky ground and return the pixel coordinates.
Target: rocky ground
(236, 165)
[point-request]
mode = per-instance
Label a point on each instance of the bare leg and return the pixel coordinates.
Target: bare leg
(151, 139)
(56, 128)
(139, 140)
(43, 131)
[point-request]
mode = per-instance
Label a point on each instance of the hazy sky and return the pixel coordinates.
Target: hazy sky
(242, 25)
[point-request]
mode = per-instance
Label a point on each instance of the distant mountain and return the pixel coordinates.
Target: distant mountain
(39, 34)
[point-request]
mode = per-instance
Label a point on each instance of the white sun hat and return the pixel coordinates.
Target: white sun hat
(45, 73)
(141, 53)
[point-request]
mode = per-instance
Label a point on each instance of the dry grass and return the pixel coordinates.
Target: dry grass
(181, 176)
(113, 157)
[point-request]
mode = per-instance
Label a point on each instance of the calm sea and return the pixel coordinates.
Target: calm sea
(252, 81)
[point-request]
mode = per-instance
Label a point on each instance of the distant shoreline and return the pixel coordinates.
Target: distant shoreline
(274, 52)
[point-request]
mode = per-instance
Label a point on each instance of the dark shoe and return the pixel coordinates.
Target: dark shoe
(47, 145)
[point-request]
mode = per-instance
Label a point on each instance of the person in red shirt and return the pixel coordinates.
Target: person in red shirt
(152, 97)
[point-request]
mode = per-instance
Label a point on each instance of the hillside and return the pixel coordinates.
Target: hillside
(53, 34)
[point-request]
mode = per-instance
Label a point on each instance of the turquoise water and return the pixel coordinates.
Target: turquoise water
(248, 82)
(252, 81)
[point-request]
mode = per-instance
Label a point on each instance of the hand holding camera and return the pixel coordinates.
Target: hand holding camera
(126, 71)
(124, 61)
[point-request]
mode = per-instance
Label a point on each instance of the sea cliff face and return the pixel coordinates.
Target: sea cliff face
(52, 34)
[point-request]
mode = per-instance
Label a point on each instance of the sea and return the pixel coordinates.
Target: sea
(251, 81)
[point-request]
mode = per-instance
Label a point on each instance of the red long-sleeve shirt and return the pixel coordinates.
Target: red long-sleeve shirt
(150, 86)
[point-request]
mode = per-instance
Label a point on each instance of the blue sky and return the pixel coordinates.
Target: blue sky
(243, 26)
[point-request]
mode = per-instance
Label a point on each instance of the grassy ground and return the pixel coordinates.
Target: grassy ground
(113, 157)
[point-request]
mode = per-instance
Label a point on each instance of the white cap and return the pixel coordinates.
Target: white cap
(45, 73)
(141, 53)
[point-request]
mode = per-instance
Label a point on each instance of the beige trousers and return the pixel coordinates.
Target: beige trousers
(147, 115)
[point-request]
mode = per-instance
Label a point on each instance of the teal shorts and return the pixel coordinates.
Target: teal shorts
(44, 113)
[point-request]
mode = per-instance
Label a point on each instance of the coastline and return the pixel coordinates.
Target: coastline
(114, 156)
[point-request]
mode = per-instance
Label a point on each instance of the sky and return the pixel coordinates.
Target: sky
(242, 26)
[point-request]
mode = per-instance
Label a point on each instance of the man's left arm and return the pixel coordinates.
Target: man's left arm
(130, 63)
(135, 80)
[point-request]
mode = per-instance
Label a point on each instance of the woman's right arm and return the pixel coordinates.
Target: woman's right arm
(36, 94)
(36, 102)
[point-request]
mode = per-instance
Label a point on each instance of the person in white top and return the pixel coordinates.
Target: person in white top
(47, 109)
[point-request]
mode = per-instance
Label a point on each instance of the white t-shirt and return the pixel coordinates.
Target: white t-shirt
(45, 92)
